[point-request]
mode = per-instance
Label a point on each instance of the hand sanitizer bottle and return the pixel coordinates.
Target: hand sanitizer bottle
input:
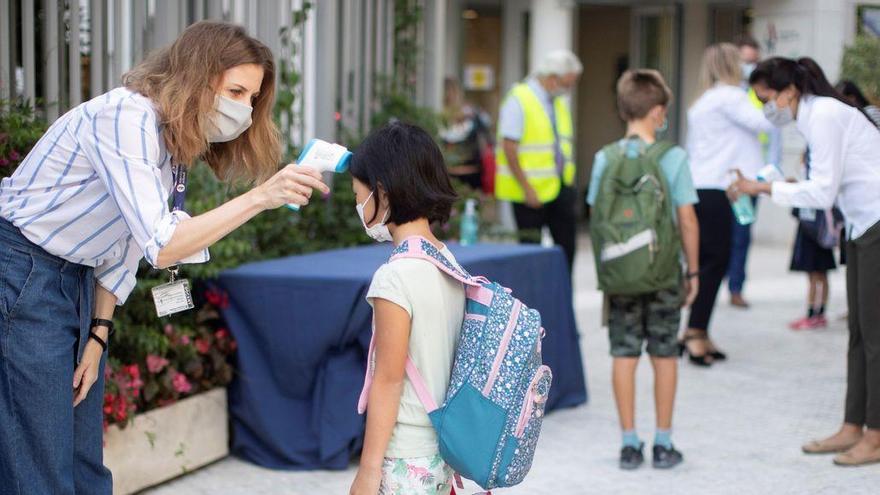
(469, 224)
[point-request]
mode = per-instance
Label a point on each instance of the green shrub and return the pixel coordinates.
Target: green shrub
(860, 65)
(20, 129)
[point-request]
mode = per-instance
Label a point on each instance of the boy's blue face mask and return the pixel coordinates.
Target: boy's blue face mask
(663, 127)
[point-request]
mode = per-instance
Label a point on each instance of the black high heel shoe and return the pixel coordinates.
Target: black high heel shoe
(704, 360)
(717, 355)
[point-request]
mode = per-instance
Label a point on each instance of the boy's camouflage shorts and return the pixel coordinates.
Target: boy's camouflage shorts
(655, 317)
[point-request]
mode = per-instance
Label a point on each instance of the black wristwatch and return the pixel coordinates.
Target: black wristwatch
(691, 275)
(98, 322)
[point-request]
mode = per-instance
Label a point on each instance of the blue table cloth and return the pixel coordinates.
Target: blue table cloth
(303, 328)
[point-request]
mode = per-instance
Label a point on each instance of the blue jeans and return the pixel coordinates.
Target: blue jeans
(46, 445)
(739, 252)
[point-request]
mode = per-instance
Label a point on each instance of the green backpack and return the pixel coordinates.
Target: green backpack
(635, 239)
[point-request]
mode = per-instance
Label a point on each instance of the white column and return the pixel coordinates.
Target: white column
(433, 52)
(7, 79)
(97, 25)
(51, 60)
(453, 39)
(552, 28)
(28, 50)
(74, 79)
(309, 80)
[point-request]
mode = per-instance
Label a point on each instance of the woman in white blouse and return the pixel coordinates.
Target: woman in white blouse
(844, 170)
(91, 200)
(723, 128)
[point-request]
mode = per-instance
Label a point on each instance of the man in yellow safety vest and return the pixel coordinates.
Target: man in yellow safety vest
(535, 153)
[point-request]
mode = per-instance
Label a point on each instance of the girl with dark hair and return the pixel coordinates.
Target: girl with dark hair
(402, 186)
(854, 95)
(844, 169)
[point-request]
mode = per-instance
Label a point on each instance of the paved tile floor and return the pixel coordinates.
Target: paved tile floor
(739, 424)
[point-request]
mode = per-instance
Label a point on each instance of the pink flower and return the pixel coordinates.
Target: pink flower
(184, 340)
(221, 334)
(203, 346)
(217, 298)
(108, 403)
(181, 384)
(418, 473)
(169, 329)
(13, 155)
(133, 371)
(155, 364)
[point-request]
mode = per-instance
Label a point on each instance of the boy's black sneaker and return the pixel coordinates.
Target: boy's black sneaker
(666, 458)
(631, 457)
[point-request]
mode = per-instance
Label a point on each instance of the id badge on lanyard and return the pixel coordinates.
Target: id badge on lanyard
(175, 296)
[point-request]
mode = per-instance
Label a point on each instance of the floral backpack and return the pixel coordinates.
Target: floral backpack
(489, 424)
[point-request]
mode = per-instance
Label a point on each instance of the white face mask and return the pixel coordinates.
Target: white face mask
(229, 120)
(378, 232)
(778, 116)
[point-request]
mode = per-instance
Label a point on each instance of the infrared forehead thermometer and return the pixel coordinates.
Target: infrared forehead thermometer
(323, 157)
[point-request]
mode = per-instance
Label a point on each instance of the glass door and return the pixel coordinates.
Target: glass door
(656, 44)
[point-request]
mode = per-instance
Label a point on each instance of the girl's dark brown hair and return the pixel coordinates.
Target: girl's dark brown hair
(407, 164)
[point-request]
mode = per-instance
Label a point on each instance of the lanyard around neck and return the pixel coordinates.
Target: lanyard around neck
(179, 192)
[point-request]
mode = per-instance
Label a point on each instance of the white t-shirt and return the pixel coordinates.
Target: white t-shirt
(436, 303)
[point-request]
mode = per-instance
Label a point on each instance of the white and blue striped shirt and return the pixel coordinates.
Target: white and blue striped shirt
(94, 190)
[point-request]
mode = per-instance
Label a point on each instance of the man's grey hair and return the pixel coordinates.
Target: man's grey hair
(559, 63)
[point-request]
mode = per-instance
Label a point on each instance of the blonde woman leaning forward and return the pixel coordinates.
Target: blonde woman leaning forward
(723, 128)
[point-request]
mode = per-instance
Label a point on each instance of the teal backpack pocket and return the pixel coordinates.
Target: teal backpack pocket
(468, 446)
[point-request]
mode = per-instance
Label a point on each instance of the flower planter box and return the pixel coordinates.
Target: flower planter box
(168, 442)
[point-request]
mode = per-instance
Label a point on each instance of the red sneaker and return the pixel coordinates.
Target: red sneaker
(801, 323)
(807, 323)
(818, 322)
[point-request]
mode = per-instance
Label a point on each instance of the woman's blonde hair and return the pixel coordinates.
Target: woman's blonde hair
(181, 80)
(720, 64)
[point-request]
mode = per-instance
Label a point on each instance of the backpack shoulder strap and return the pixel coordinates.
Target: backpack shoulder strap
(656, 151)
(614, 153)
(420, 248)
(420, 386)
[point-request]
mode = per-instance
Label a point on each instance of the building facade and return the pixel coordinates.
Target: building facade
(61, 52)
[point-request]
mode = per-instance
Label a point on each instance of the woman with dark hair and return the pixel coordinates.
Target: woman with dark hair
(808, 256)
(854, 95)
(844, 170)
(88, 202)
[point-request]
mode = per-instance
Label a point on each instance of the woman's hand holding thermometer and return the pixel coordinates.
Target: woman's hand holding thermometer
(324, 157)
(292, 183)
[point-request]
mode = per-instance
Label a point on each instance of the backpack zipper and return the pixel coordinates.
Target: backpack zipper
(531, 400)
